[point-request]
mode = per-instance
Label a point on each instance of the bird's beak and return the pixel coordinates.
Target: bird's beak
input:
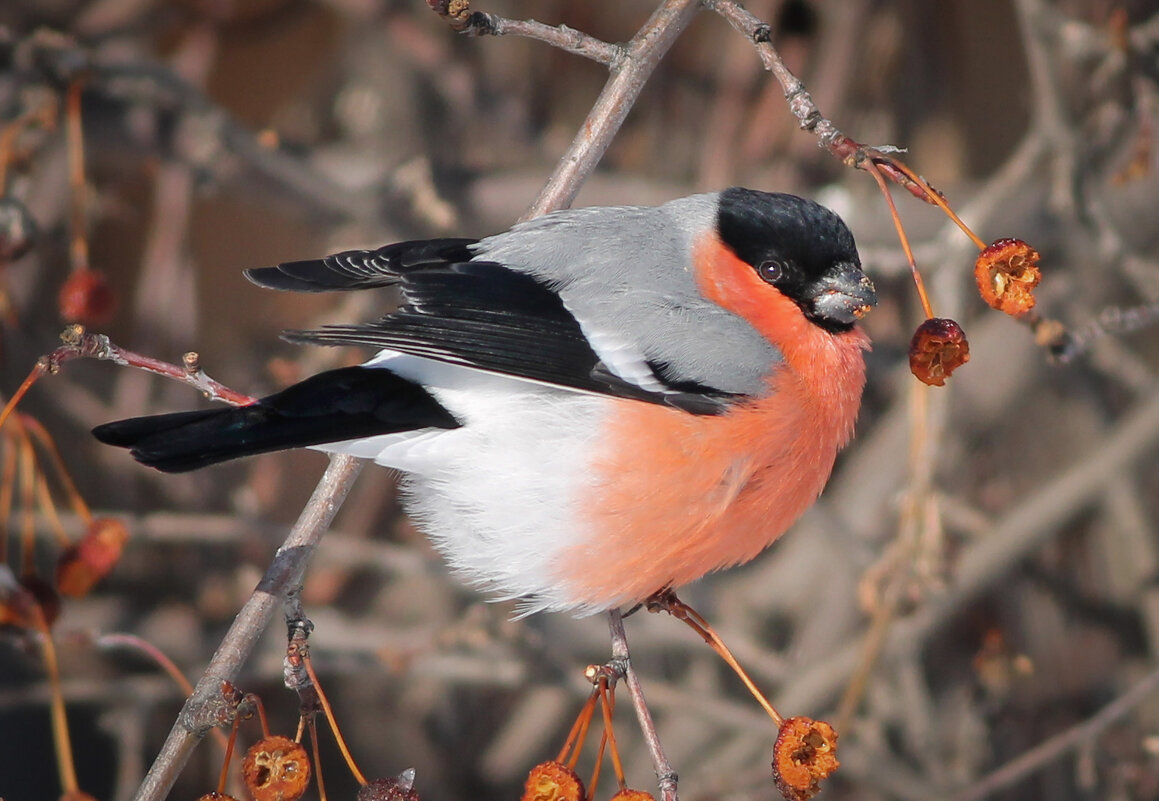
(844, 295)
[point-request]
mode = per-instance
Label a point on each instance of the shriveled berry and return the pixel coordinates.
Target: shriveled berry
(628, 794)
(938, 348)
(1006, 273)
(276, 769)
(552, 781)
(400, 788)
(805, 753)
(80, 566)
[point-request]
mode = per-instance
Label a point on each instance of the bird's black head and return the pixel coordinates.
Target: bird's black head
(801, 248)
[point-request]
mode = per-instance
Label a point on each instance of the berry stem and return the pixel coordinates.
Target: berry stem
(78, 241)
(936, 198)
(64, 759)
(927, 307)
(229, 746)
(27, 501)
(579, 729)
(313, 726)
(48, 445)
(322, 699)
(7, 488)
(668, 602)
(607, 704)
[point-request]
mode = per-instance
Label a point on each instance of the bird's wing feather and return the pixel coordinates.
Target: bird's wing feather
(361, 269)
(481, 314)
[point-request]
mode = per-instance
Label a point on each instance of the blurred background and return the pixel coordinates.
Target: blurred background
(981, 575)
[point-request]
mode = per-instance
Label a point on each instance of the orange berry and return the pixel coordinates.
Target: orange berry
(938, 348)
(628, 794)
(553, 781)
(1006, 273)
(276, 769)
(804, 754)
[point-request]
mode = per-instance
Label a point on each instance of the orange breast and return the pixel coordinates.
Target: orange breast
(674, 496)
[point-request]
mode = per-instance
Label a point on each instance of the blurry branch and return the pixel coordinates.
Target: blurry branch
(630, 67)
(1058, 746)
(205, 136)
(1012, 538)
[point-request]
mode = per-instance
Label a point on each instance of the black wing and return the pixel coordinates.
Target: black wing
(475, 313)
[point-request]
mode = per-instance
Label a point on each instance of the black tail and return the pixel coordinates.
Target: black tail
(349, 403)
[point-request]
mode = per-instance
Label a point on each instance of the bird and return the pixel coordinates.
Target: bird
(589, 408)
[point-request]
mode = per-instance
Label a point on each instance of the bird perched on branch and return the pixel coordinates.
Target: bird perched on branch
(591, 407)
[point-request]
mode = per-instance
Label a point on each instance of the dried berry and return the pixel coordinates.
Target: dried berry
(804, 754)
(17, 230)
(276, 769)
(1006, 273)
(82, 565)
(400, 788)
(553, 781)
(628, 794)
(87, 298)
(938, 348)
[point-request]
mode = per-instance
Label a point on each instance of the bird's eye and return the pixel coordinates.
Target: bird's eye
(771, 270)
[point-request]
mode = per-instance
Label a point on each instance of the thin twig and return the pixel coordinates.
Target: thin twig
(629, 74)
(480, 23)
(665, 775)
(82, 344)
(851, 152)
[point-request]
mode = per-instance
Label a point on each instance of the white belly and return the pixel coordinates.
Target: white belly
(497, 497)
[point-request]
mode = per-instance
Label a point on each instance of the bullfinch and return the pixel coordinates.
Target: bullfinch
(591, 407)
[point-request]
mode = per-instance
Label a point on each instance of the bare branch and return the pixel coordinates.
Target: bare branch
(480, 23)
(851, 152)
(643, 54)
(82, 344)
(202, 710)
(665, 775)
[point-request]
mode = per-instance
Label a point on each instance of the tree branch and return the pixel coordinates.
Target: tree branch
(203, 710)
